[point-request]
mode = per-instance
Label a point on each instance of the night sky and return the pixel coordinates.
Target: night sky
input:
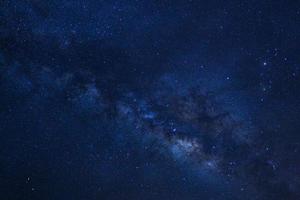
(149, 100)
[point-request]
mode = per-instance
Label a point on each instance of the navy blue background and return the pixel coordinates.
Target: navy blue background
(149, 99)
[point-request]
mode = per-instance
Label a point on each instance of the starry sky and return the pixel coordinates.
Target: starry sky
(152, 100)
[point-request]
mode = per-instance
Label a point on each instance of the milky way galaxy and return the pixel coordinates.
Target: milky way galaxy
(149, 100)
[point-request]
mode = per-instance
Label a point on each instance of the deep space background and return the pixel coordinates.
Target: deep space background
(149, 99)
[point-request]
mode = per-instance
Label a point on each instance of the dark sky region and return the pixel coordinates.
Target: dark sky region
(149, 100)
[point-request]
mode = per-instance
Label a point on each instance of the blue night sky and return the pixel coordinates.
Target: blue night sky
(149, 100)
